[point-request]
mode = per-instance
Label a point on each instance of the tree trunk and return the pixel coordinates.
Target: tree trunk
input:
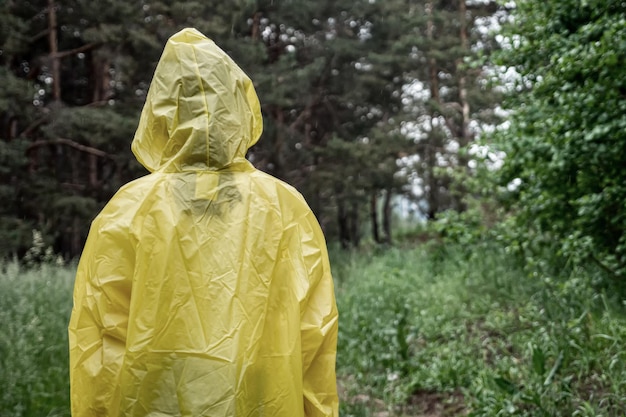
(355, 236)
(387, 215)
(93, 171)
(348, 222)
(12, 128)
(102, 91)
(74, 227)
(342, 223)
(374, 217)
(431, 148)
(432, 62)
(53, 42)
(256, 26)
(465, 135)
(76, 243)
(279, 140)
(465, 138)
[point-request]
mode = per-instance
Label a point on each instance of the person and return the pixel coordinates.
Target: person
(204, 287)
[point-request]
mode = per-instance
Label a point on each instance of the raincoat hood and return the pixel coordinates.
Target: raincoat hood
(201, 112)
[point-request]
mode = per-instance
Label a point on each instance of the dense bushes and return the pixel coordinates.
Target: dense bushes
(566, 144)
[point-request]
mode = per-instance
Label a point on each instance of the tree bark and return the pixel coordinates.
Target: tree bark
(342, 223)
(74, 227)
(71, 143)
(431, 146)
(387, 215)
(465, 136)
(101, 81)
(12, 128)
(348, 222)
(374, 217)
(78, 50)
(279, 141)
(256, 26)
(432, 62)
(355, 236)
(53, 42)
(93, 171)
(76, 243)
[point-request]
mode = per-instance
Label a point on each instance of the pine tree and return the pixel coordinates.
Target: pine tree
(446, 42)
(325, 83)
(332, 78)
(67, 59)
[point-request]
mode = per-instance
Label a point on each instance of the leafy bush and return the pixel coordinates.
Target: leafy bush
(566, 144)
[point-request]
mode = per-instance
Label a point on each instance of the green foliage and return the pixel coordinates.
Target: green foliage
(35, 305)
(449, 46)
(16, 94)
(470, 331)
(39, 253)
(461, 330)
(567, 141)
(331, 77)
(101, 127)
(14, 231)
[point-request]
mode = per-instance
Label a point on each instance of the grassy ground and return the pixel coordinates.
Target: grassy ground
(423, 332)
(469, 332)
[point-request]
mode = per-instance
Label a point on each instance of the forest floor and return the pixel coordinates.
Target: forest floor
(440, 332)
(423, 332)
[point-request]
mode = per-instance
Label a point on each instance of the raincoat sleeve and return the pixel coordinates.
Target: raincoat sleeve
(99, 321)
(319, 325)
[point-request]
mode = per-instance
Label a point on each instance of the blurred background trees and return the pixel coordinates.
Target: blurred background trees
(337, 81)
(372, 109)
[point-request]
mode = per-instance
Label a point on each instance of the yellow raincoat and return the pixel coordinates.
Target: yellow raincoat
(204, 288)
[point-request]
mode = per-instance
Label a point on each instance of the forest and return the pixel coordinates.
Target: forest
(501, 116)
(364, 102)
(465, 159)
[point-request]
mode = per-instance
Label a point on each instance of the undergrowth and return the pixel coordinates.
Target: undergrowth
(35, 305)
(425, 331)
(469, 331)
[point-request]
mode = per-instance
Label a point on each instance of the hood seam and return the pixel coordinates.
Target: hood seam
(206, 107)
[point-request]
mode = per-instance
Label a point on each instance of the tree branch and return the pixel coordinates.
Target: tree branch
(34, 125)
(38, 36)
(99, 103)
(78, 50)
(70, 143)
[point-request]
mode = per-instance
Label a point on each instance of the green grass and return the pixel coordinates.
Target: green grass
(35, 306)
(423, 332)
(470, 332)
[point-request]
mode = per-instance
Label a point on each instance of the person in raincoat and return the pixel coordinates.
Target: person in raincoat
(204, 288)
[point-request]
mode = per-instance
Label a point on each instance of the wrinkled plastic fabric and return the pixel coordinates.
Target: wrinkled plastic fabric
(204, 288)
